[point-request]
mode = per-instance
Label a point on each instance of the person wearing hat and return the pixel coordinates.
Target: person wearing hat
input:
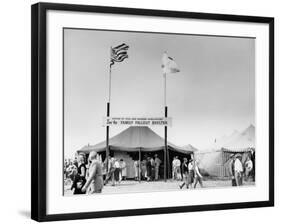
(95, 175)
(238, 169)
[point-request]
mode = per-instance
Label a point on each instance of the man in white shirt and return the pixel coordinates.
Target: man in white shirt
(238, 169)
(123, 169)
(176, 168)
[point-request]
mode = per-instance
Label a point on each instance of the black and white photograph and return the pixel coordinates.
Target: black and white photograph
(139, 112)
(156, 112)
(144, 111)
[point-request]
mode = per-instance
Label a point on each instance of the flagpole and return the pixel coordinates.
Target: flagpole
(108, 111)
(109, 84)
(116, 55)
(165, 129)
(165, 84)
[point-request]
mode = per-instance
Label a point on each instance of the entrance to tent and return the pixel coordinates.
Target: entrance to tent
(171, 155)
(131, 157)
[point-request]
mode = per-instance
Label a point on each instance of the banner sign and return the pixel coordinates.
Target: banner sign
(137, 121)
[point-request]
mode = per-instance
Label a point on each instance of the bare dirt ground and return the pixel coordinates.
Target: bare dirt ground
(130, 186)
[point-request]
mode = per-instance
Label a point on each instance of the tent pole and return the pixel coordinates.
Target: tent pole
(139, 165)
(168, 163)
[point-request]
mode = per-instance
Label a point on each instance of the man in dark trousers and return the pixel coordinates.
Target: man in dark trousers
(231, 170)
(157, 163)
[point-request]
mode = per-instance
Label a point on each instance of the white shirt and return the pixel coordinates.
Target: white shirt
(249, 165)
(238, 166)
(117, 164)
(176, 162)
(190, 166)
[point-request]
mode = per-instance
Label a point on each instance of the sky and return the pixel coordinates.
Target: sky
(212, 95)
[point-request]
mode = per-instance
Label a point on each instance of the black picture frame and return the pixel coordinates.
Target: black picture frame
(39, 108)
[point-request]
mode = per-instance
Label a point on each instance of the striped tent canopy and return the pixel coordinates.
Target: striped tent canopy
(133, 139)
(237, 150)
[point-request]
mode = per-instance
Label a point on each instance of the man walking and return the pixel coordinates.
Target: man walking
(197, 175)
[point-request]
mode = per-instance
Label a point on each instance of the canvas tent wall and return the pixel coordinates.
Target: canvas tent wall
(215, 162)
(135, 140)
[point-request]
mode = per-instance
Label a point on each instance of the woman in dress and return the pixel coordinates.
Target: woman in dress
(81, 167)
(80, 176)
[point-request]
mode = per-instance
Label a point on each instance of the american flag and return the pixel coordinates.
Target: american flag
(118, 53)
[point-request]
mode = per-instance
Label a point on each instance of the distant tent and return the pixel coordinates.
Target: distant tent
(133, 139)
(215, 162)
(242, 142)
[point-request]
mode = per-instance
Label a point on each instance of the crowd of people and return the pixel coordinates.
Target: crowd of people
(80, 173)
(90, 176)
(148, 168)
(84, 177)
(186, 171)
(114, 170)
(239, 171)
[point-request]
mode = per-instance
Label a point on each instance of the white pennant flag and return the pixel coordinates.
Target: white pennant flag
(169, 65)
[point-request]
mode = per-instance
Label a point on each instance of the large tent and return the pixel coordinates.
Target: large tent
(133, 139)
(215, 162)
(135, 142)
